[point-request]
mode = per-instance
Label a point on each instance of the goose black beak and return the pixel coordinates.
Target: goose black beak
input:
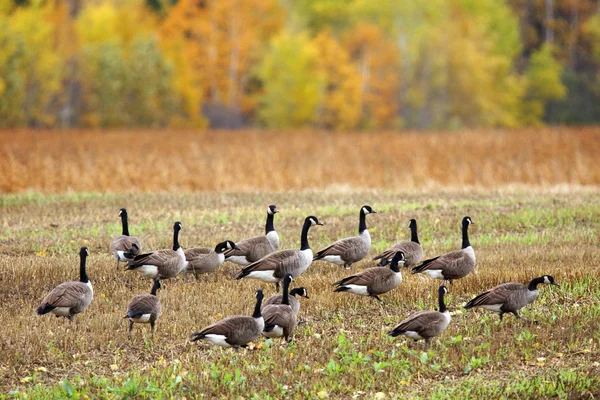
(306, 297)
(556, 284)
(236, 247)
(320, 223)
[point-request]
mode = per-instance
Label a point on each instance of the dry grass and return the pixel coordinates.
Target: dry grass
(516, 237)
(147, 161)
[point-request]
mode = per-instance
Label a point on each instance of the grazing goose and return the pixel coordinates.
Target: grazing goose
(273, 267)
(202, 260)
(144, 308)
(236, 331)
(413, 252)
(125, 247)
(349, 250)
(373, 281)
(280, 319)
(161, 264)
(425, 324)
(294, 303)
(453, 265)
(255, 248)
(510, 297)
(70, 298)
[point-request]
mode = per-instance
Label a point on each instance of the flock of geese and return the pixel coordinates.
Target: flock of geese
(261, 259)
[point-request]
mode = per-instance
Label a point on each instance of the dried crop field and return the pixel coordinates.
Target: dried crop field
(157, 161)
(342, 350)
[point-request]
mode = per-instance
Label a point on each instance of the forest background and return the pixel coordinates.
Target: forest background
(288, 64)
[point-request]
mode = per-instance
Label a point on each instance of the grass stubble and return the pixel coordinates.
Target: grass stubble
(342, 350)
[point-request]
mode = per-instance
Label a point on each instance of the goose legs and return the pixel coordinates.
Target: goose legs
(516, 314)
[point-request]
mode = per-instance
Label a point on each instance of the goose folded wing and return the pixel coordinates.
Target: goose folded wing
(68, 294)
(145, 304)
(496, 295)
(342, 246)
(281, 260)
(244, 246)
(419, 321)
(446, 262)
(158, 257)
(366, 277)
(198, 252)
(278, 314)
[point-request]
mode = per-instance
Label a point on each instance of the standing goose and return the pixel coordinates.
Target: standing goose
(144, 308)
(425, 324)
(125, 247)
(70, 298)
(202, 260)
(255, 248)
(236, 331)
(373, 281)
(294, 303)
(349, 250)
(273, 267)
(280, 319)
(161, 264)
(453, 265)
(413, 252)
(510, 297)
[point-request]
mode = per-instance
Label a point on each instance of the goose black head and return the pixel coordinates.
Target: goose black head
(156, 285)
(259, 294)
(177, 226)
(467, 221)
(549, 280)
(83, 252)
(272, 209)
(367, 210)
(224, 246)
(300, 291)
(442, 290)
(122, 212)
(313, 220)
(289, 278)
(399, 257)
(412, 223)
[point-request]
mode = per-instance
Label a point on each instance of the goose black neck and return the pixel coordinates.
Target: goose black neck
(534, 282)
(442, 305)
(269, 226)
(256, 313)
(293, 292)
(286, 286)
(304, 236)
(176, 239)
(414, 237)
(82, 273)
(465, 236)
(155, 287)
(394, 266)
(125, 224)
(362, 225)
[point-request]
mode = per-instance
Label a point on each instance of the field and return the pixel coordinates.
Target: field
(342, 350)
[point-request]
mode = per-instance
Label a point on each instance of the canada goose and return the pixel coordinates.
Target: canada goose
(125, 247)
(144, 308)
(273, 267)
(413, 252)
(161, 264)
(202, 260)
(349, 250)
(255, 248)
(294, 303)
(453, 265)
(236, 331)
(373, 281)
(70, 298)
(280, 319)
(510, 297)
(425, 324)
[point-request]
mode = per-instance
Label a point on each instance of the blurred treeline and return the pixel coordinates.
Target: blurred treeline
(333, 64)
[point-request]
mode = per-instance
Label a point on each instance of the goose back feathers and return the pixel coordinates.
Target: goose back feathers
(349, 250)
(202, 260)
(70, 298)
(413, 252)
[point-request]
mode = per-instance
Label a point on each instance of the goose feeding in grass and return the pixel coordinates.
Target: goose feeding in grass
(454, 265)
(236, 331)
(161, 264)
(425, 324)
(125, 247)
(510, 297)
(202, 260)
(144, 309)
(349, 250)
(254, 248)
(373, 281)
(70, 298)
(413, 252)
(273, 267)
